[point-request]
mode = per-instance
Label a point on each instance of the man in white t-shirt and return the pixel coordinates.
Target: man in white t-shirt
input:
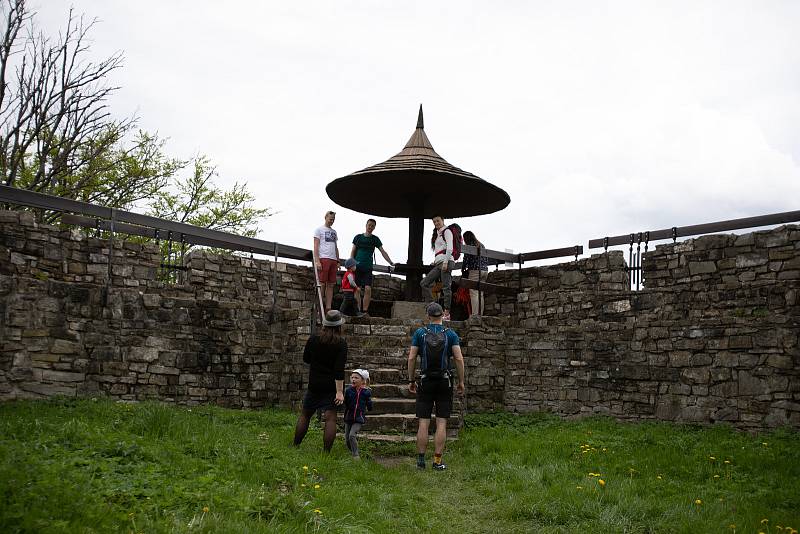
(326, 256)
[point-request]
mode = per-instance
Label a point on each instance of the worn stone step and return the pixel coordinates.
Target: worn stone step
(383, 375)
(405, 423)
(386, 391)
(381, 405)
(391, 438)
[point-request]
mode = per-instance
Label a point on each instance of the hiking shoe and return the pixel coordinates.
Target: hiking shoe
(439, 466)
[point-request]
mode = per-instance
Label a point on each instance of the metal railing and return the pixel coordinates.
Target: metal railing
(637, 238)
(120, 221)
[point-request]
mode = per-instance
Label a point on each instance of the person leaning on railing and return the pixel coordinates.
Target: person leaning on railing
(475, 268)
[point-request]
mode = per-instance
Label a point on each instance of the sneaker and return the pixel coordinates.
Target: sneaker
(439, 466)
(421, 464)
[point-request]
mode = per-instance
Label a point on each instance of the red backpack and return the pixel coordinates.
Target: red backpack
(457, 240)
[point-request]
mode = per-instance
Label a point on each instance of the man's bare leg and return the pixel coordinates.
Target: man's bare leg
(440, 437)
(422, 441)
(328, 296)
(367, 297)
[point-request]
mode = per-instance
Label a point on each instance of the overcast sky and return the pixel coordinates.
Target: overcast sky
(598, 118)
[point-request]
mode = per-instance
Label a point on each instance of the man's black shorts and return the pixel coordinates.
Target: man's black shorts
(432, 392)
(319, 401)
(363, 276)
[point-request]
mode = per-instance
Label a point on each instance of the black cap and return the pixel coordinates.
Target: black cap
(434, 310)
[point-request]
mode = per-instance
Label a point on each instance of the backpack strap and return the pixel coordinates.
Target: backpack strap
(424, 361)
(445, 368)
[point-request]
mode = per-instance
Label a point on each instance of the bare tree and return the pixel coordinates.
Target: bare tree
(57, 134)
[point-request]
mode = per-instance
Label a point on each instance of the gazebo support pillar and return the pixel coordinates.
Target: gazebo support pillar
(416, 227)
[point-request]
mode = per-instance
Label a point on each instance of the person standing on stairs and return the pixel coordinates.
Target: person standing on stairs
(326, 355)
(357, 400)
(436, 346)
(326, 256)
(364, 246)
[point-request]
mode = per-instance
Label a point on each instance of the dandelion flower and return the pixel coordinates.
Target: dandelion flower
(764, 521)
(764, 443)
(316, 486)
(698, 501)
(601, 482)
(732, 526)
(578, 487)
(302, 485)
(712, 458)
(727, 461)
(716, 476)
(658, 477)
(130, 515)
(317, 511)
(205, 509)
(604, 449)
(305, 468)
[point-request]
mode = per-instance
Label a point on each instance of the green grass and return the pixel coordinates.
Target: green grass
(101, 466)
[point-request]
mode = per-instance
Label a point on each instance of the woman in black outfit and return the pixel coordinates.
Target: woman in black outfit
(326, 353)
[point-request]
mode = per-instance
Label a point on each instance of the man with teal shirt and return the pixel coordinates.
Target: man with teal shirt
(364, 246)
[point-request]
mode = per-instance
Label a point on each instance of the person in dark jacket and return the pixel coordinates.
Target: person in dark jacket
(357, 400)
(326, 355)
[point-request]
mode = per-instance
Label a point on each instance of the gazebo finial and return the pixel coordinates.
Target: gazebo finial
(420, 123)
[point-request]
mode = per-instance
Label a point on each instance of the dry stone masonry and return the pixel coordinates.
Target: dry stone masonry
(713, 336)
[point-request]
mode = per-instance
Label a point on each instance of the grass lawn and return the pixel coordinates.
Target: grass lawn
(100, 466)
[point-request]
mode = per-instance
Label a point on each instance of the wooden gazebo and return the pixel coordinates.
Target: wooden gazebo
(417, 183)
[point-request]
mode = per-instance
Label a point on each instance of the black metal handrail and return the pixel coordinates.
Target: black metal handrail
(697, 229)
(116, 220)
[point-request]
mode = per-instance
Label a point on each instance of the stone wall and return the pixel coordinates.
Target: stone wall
(712, 337)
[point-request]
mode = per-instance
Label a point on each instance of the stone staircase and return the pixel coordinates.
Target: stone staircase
(381, 346)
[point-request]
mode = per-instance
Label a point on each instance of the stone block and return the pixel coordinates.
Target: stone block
(162, 370)
(62, 346)
(619, 306)
(745, 261)
(151, 300)
(62, 376)
(141, 354)
(696, 375)
(740, 342)
(780, 361)
(702, 267)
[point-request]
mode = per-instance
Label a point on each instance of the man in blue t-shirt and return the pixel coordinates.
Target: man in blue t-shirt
(364, 246)
(435, 386)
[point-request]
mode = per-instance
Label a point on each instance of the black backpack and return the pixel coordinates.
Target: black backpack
(435, 360)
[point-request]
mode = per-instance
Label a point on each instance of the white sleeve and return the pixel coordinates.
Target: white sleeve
(448, 239)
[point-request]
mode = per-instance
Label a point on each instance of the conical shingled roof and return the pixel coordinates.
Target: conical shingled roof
(417, 181)
(417, 154)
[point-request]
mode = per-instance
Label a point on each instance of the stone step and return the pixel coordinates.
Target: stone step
(381, 405)
(406, 423)
(382, 375)
(387, 391)
(391, 438)
(405, 405)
